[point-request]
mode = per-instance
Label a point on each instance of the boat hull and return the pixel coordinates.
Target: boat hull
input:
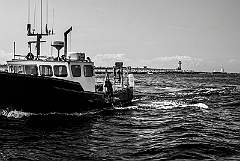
(44, 95)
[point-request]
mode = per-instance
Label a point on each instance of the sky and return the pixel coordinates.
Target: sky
(203, 34)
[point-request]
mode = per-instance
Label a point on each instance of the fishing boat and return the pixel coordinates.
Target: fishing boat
(62, 84)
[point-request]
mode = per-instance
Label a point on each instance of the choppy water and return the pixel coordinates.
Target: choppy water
(173, 117)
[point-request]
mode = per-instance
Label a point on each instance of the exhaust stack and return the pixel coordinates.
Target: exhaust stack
(65, 40)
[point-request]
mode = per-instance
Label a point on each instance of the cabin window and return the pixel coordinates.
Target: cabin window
(60, 70)
(88, 70)
(31, 70)
(76, 70)
(45, 70)
(16, 69)
(11, 70)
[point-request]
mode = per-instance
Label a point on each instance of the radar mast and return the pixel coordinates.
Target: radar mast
(31, 32)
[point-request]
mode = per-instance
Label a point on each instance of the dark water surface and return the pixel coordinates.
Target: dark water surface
(173, 117)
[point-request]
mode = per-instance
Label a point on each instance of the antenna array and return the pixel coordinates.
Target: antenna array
(33, 31)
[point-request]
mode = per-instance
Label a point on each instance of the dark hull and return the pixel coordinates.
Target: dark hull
(43, 95)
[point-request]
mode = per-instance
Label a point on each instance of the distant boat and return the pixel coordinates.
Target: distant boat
(219, 72)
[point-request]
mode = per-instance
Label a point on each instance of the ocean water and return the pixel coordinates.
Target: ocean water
(172, 117)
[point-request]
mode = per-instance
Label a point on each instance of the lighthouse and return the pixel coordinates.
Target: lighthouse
(179, 65)
(222, 70)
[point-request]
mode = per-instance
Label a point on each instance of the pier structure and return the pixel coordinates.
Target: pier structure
(144, 70)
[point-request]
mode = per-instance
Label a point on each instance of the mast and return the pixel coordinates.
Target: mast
(28, 11)
(41, 17)
(14, 49)
(30, 32)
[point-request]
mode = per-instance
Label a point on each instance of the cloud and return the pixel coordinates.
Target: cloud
(172, 61)
(179, 27)
(180, 58)
(232, 65)
(159, 62)
(4, 56)
(108, 59)
(233, 61)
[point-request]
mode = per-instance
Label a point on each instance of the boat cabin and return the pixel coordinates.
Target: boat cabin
(76, 69)
(70, 66)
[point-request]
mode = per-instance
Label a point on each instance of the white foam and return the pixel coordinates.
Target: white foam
(14, 114)
(170, 104)
(160, 104)
(201, 105)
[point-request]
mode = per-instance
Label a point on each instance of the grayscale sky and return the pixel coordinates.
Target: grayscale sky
(203, 34)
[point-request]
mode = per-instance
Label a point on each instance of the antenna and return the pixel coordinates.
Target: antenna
(47, 12)
(46, 29)
(38, 34)
(28, 11)
(14, 49)
(53, 21)
(34, 19)
(41, 16)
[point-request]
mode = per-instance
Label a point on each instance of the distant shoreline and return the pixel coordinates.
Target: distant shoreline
(102, 70)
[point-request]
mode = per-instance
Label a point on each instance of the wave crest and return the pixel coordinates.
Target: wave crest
(14, 114)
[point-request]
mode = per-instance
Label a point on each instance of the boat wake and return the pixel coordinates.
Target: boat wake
(12, 113)
(138, 104)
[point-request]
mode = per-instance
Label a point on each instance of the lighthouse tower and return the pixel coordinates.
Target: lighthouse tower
(179, 65)
(222, 70)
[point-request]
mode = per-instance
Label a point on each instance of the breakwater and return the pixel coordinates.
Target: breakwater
(101, 70)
